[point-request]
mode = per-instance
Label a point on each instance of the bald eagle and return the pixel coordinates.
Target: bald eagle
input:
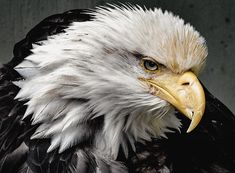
(112, 90)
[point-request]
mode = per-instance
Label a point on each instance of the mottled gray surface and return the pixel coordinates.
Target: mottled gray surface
(214, 19)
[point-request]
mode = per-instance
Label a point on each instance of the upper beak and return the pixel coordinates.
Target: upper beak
(184, 92)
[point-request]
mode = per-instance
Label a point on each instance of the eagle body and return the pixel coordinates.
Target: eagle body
(74, 98)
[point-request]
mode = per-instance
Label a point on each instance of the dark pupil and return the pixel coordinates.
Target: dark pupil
(150, 65)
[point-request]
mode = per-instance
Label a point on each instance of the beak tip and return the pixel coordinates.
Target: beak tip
(194, 123)
(189, 130)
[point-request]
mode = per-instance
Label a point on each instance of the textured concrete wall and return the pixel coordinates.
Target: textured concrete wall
(214, 19)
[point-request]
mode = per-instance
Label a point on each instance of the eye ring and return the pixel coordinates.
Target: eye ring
(150, 65)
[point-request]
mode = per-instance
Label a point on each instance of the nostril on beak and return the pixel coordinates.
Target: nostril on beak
(185, 83)
(192, 113)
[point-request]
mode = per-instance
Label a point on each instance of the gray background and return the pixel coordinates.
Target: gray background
(214, 19)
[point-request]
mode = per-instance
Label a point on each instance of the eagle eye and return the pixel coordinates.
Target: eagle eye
(149, 65)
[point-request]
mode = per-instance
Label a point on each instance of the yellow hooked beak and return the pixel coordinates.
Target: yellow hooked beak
(183, 91)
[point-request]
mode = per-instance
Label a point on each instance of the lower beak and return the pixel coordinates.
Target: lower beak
(184, 92)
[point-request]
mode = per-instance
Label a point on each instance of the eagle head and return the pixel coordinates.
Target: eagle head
(115, 79)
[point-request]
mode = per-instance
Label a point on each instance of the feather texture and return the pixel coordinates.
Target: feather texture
(70, 100)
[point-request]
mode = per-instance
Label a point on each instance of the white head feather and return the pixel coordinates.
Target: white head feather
(95, 61)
